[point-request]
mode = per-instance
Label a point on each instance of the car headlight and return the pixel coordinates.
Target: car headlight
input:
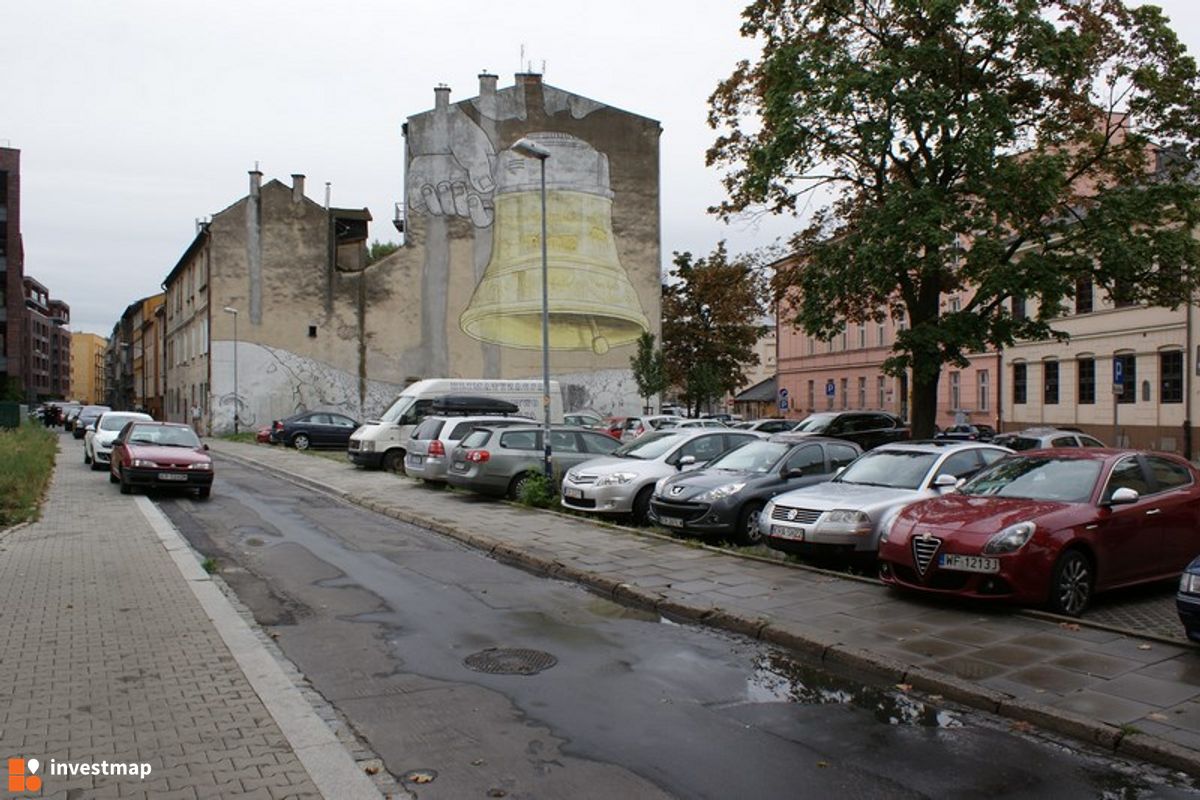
(845, 520)
(203, 466)
(660, 484)
(616, 478)
(1189, 583)
(367, 447)
(142, 462)
(885, 530)
(721, 492)
(1010, 539)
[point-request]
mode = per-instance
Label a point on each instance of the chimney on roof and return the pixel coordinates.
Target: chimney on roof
(297, 187)
(441, 97)
(255, 182)
(487, 85)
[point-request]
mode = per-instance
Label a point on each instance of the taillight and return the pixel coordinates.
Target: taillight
(278, 425)
(478, 456)
(436, 448)
(640, 431)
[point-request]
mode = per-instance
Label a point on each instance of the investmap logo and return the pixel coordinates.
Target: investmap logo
(22, 775)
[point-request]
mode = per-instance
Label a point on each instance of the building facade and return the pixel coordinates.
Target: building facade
(87, 368)
(12, 276)
(46, 355)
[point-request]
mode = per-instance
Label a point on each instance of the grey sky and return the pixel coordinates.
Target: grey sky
(135, 117)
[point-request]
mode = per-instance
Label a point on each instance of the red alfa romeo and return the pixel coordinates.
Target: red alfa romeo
(1050, 527)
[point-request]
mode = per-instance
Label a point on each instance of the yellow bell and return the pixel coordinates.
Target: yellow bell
(592, 304)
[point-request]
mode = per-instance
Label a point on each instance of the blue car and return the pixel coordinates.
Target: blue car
(1188, 600)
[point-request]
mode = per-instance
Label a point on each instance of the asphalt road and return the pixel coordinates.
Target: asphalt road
(391, 623)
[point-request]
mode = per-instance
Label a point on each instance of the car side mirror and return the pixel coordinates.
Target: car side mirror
(1123, 497)
(685, 461)
(793, 473)
(945, 481)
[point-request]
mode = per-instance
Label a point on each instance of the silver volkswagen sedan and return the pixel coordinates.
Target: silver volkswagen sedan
(846, 515)
(623, 482)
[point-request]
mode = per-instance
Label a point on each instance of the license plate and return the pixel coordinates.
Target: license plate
(671, 522)
(459, 466)
(416, 460)
(785, 532)
(574, 494)
(172, 476)
(968, 563)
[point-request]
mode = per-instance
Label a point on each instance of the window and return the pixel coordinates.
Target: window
(881, 388)
(1086, 367)
(1019, 384)
(806, 461)
(811, 396)
(1167, 474)
(521, 440)
(1170, 370)
(844, 342)
(955, 304)
(1018, 307)
(1127, 474)
(985, 389)
(563, 442)
(1083, 296)
(1121, 295)
(960, 465)
(862, 334)
(1129, 387)
(812, 345)
(862, 392)
(880, 334)
(1050, 382)
(840, 455)
(845, 392)
(955, 391)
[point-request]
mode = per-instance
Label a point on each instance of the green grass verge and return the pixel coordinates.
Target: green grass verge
(26, 464)
(243, 436)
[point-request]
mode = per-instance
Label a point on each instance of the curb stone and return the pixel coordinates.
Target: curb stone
(812, 646)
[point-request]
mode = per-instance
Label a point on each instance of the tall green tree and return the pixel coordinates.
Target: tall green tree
(379, 250)
(711, 318)
(1010, 149)
(649, 371)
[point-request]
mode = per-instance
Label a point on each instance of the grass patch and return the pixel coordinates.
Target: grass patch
(209, 565)
(26, 464)
(539, 491)
(242, 436)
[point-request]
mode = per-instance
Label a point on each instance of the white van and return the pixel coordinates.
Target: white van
(381, 442)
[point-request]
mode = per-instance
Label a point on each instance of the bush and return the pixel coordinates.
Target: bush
(26, 464)
(539, 491)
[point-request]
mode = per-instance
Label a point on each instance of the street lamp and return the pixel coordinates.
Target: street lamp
(530, 149)
(236, 397)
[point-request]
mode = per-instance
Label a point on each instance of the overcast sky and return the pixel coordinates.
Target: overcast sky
(135, 117)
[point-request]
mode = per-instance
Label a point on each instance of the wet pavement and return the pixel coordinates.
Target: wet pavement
(472, 678)
(1127, 693)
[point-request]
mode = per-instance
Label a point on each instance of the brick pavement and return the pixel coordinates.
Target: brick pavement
(1134, 695)
(108, 656)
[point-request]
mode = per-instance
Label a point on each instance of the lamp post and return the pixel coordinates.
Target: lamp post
(236, 397)
(530, 149)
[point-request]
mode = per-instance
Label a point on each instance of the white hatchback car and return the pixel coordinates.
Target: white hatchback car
(97, 442)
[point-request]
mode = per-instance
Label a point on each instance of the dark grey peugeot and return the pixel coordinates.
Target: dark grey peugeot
(726, 496)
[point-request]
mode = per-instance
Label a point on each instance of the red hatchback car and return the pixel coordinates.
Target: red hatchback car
(160, 454)
(1050, 527)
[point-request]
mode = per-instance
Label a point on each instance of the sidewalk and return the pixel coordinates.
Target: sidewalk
(120, 650)
(1136, 696)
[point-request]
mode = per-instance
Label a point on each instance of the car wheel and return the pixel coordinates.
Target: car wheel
(300, 441)
(1071, 584)
(393, 461)
(641, 506)
(97, 466)
(518, 485)
(204, 492)
(87, 459)
(111, 477)
(125, 487)
(747, 524)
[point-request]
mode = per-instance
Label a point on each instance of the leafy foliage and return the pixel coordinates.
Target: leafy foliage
(26, 465)
(1000, 148)
(711, 312)
(649, 371)
(539, 491)
(379, 250)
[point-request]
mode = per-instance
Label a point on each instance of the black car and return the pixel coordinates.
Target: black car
(866, 429)
(726, 496)
(1187, 601)
(967, 433)
(86, 416)
(314, 429)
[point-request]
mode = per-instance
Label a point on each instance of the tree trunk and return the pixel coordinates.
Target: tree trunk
(923, 405)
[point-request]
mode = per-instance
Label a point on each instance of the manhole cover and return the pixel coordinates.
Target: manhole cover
(510, 661)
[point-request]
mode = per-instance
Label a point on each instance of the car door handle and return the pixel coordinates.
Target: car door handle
(1154, 511)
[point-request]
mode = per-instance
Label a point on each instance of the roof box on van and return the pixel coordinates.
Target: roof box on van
(471, 404)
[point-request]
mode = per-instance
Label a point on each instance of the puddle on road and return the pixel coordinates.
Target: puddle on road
(777, 678)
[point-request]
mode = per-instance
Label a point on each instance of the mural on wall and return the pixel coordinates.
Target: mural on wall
(476, 206)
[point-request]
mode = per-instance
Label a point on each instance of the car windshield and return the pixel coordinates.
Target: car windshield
(757, 456)
(816, 423)
(897, 469)
(397, 409)
(650, 446)
(113, 422)
(164, 436)
(1066, 480)
(1022, 443)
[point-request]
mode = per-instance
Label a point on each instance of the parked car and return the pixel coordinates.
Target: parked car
(1187, 600)
(613, 426)
(68, 413)
(867, 429)
(86, 416)
(498, 461)
(727, 494)
(846, 515)
(263, 435)
(160, 455)
(98, 442)
(1051, 527)
(623, 482)
(687, 424)
(640, 426)
(427, 450)
(314, 429)
(967, 433)
(584, 419)
(1040, 438)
